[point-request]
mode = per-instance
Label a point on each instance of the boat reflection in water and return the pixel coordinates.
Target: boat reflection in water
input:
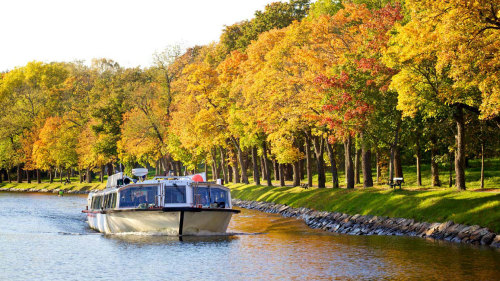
(160, 239)
(169, 205)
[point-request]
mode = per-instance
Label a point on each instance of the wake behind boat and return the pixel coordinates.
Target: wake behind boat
(185, 205)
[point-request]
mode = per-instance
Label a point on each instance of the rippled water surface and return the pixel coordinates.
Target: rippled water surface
(45, 237)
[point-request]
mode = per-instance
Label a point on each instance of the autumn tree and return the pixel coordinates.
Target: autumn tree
(434, 56)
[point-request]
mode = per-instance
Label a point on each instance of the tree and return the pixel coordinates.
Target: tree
(144, 127)
(357, 81)
(427, 82)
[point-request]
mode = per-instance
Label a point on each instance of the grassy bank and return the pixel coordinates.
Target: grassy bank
(437, 205)
(53, 186)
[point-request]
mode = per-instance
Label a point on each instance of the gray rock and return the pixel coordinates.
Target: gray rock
(496, 242)
(488, 238)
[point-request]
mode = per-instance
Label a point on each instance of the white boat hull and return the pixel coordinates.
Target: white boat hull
(169, 222)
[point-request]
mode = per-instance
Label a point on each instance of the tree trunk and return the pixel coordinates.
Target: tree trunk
(366, 166)
(19, 174)
(215, 170)
(394, 147)
(281, 174)
(398, 166)
(288, 172)
(450, 170)
(236, 176)
(243, 167)
(434, 166)
(276, 170)
(174, 166)
(51, 178)
(8, 175)
(319, 148)
(357, 166)
(110, 169)
(482, 164)
(379, 170)
(296, 174)
(418, 157)
(243, 164)
(460, 152)
(61, 175)
(366, 163)
(230, 173)
(302, 166)
(266, 163)
(263, 168)
(28, 176)
(255, 164)
(333, 162)
(88, 176)
(223, 163)
(165, 165)
(308, 162)
(101, 174)
(349, 169)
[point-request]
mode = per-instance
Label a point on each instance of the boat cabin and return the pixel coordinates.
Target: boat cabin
(162, 192)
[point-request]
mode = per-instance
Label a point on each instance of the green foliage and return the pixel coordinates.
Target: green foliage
(276, 15)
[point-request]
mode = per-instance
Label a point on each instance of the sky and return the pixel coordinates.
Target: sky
(128, 32)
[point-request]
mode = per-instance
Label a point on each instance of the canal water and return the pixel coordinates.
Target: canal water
(45, 237)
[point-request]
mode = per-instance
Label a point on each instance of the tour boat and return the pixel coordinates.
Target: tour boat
(170, 205)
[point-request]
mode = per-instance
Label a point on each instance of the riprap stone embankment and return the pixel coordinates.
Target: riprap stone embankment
(379, 225)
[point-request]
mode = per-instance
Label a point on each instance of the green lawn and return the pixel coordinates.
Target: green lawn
(55, 185)
(439, 205)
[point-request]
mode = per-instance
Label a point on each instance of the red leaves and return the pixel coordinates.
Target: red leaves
(344, 114)
(333, 82)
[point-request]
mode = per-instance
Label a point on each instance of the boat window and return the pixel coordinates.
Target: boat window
(96, 202)
(113, 201)
(136, 196)
(106, 201)
(202, 196)
(110, 200)
(219, 197)
(175, 194)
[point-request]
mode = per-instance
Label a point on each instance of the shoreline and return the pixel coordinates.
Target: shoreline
(379, 225)
(55, 188)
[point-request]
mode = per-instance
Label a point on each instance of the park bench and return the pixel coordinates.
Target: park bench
(396, 182)
(304, 186)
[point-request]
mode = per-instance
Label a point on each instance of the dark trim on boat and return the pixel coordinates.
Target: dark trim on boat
(165, 209)
(191, 209)
(181, 222)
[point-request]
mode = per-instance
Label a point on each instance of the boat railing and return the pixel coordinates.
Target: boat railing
(158, 178)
